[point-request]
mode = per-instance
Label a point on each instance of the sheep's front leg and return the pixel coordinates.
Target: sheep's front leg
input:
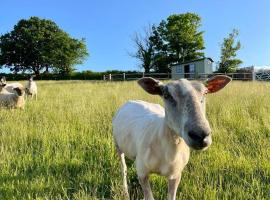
(172, 187)
(144, 181)
(142, 173)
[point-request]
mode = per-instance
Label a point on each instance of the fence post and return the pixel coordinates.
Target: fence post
(253, 75)
(110, 77)
(143, 74)
(124, 76)
(104, 77)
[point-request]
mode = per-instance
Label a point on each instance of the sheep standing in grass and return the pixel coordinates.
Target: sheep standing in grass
(9, 86)
(31, 88)
(158, 139)
(12, 100)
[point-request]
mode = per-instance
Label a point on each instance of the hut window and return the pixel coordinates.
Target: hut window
(192, 68)
(179, 69)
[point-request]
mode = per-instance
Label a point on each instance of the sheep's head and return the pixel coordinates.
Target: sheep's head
(31, 78)
(19, 90)
(184, 103)
(3, 82)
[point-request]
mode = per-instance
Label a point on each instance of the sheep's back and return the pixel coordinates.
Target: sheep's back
(136, 124)
(9, 87)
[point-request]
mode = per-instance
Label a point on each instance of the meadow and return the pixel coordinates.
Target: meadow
(61, 146)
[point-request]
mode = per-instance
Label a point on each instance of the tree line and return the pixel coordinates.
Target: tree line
(39, 46)
(178, 39)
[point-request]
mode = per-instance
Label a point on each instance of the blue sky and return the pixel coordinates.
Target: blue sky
(109, 25)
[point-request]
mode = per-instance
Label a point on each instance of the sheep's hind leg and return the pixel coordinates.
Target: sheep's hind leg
(124, 171)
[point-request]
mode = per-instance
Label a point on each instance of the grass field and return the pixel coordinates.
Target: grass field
(61, 147)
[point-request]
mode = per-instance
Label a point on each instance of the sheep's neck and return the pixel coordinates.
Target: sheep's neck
(171, 136)
(173, 143)
(19, 101)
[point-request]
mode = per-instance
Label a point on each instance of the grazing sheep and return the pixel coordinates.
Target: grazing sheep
(31, 88)
(9, 86)
(158, 139)
(12, 100)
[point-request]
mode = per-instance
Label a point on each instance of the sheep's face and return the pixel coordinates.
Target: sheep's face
(19, 91)
(31, 78)
(185, 112)
(3, 82)
(184, 103)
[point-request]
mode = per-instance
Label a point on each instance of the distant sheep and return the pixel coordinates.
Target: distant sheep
(31, 88)
(12, 100)
(9, 86)
(158, 139)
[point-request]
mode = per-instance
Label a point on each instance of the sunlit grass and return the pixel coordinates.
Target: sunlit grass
(61, 147)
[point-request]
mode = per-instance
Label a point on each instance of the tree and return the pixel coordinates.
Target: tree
(178, 39)
(144, 49)
(161, 62)
(37, 45)
(228, 61)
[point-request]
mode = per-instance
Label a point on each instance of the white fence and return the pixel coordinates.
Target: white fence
(190, 76)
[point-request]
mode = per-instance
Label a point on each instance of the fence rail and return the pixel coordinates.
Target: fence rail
(164, 76)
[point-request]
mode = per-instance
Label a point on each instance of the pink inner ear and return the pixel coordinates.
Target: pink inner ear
(217, 83)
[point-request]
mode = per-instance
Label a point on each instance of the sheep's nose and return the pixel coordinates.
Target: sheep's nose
(195, 136)
(202, 138)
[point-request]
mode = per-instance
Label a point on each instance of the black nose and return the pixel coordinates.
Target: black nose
(196, 136)
(199, 137)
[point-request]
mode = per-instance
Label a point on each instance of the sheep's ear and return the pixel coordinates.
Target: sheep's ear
(216, 83)
(150, 85)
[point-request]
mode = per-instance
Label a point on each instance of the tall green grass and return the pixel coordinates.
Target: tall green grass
(61, 147)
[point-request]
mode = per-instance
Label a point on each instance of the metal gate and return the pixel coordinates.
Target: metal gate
(262, 76)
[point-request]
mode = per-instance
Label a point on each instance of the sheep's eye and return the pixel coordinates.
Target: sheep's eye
(169, 97)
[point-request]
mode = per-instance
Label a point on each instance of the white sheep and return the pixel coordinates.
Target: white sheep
(9, 86)
(31, 88)
(159, 139)
(12, 100)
